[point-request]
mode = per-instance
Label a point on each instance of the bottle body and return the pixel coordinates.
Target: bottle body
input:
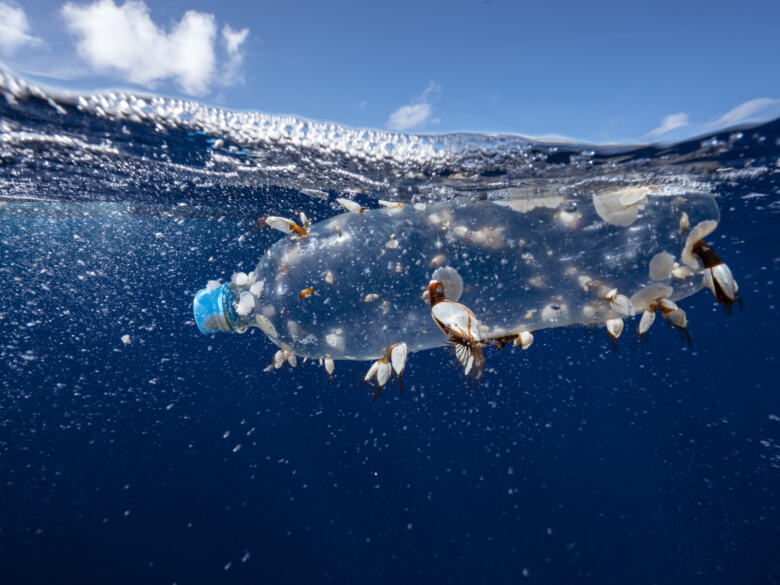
(355, 285)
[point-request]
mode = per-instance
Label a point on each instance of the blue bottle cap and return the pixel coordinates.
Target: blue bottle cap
(209, 306)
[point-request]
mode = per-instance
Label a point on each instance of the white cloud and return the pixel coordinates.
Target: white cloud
(417, 113)
(755, 110)
(14, 29)
(124, 40)
(430, 93)
(759, 108)
(671, 122)
(407, 117)
(233, 39)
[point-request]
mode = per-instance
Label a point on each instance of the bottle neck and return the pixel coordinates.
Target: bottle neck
(213, 310)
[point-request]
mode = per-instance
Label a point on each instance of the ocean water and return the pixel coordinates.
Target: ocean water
(175, 458)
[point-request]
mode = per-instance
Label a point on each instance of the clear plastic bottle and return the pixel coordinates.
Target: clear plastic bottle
(355, 284)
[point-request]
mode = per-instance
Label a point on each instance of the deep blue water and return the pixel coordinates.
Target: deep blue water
(177, 459)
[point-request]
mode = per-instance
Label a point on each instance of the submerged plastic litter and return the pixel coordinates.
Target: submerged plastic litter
(355, 285)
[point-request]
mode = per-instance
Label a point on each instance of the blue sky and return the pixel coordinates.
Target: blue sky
(600, 72)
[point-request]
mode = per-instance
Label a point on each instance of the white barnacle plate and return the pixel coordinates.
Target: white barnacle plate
(329, 365)
(648, 318)
(485, 247)
(661, 266)
(614, 327)
(457, 319)
(398, 358)
(524, 339)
